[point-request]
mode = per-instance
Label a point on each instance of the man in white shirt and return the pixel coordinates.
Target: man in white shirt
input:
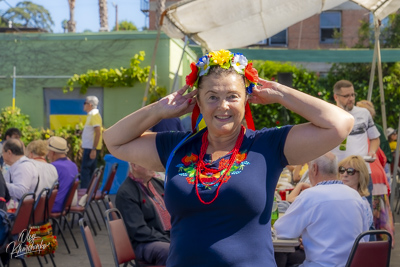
(328, 216)
(91, 140)
(22, 177)
(364, 128)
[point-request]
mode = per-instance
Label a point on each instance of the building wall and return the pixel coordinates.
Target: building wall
(68, 54)
(306, 34)
(308, 31)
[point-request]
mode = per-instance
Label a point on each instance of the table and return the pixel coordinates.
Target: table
(285, 245)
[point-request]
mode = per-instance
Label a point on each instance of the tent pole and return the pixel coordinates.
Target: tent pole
(151, 67)
(14, 81)
(372, 75)
(173, 89)
(379, 63)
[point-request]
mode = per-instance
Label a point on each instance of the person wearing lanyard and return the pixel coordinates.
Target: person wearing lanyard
(140, 199)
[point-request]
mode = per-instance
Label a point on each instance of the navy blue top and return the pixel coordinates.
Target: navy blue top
(168, 125)
(235, 229)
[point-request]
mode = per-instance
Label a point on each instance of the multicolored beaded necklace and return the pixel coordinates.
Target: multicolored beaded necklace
(201, 165)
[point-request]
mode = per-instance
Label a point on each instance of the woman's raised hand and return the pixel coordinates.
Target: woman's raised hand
(267, 92)
(177, 104)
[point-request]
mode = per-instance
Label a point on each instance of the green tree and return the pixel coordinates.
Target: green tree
(303, 80)
(30, 15)
(125, 26)
(358, 73)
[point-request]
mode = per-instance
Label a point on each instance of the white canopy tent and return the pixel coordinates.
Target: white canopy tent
(227, 24)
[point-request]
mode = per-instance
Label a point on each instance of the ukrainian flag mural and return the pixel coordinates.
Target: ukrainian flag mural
(65, 112)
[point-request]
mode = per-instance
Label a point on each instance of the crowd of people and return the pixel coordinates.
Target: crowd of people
(214, 206)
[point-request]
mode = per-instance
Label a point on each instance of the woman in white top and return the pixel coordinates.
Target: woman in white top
(37, 151)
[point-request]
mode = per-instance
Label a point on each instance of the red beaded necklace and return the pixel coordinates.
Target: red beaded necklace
(202, 166)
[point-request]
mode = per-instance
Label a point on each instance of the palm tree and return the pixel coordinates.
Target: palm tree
(103, 15)
(71, 22)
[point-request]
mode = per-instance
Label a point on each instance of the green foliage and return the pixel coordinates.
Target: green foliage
(14, 118)
(30, 15)
(122, 77)
(358, 74)
(275, 114)
(125, 26)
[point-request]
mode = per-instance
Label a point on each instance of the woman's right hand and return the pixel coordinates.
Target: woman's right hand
(177, 104)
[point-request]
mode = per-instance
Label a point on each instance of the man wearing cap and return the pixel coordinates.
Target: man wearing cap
(66, 169)
(91, 140)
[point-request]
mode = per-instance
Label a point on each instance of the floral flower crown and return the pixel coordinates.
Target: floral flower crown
(225, 59)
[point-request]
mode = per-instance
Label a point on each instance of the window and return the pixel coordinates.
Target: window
(279, 39)
(329, 23)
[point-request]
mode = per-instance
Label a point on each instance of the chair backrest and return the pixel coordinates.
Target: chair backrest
(97, 183)
(91, 192)
(23, 214)
(39, 215)
(110, 205)
(371, 254)
(71, 193)
(107, 187)
(119, 240)
(90, 246)
(51, 197)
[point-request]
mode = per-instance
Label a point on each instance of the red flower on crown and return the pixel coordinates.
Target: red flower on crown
(251, 73)
(192, 77)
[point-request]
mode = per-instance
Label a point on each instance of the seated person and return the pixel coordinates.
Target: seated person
(66, 169)
(22, 177)
(392, 138)
(10, 133)
(320, 209)
(140, 199)
(37, 151)
(4, 195)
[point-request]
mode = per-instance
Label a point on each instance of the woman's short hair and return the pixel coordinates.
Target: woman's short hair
(37, 147)
(358, 163)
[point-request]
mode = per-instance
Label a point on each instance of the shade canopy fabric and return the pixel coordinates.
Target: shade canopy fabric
(227, 24)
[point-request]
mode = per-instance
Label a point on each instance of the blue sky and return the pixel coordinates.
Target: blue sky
(87, 13)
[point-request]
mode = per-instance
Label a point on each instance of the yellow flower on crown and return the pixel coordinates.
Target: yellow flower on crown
(220, 57)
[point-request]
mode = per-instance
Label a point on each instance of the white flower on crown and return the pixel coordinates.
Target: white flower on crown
(204, 65)
(239, 63)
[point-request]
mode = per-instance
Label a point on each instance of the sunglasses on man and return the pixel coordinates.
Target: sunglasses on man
(350, 171)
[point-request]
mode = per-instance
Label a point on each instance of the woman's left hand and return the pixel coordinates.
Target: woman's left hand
(265, 93)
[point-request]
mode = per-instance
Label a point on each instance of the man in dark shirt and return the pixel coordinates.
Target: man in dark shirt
(140, 199)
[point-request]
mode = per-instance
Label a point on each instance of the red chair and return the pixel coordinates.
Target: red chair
(100, 194)
(90, 246)
(372, 253)
(59, 217)
(40, 215)
(82, 210)
(93, 185)
(119, 240)
(20, 224)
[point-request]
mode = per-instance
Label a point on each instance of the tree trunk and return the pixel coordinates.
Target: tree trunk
(71, 23)
(103, 15)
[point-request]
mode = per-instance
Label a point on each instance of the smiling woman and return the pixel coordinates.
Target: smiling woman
(220, 180)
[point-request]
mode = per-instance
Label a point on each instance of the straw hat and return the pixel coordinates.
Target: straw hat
(57, 144)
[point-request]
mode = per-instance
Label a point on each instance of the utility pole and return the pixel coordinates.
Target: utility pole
(116, 16)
